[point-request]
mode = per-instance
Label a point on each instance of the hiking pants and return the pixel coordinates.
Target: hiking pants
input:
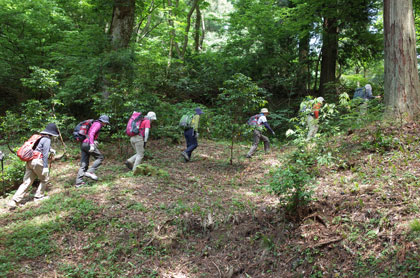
(137, 143)
(192, 143)
(313, 126)
(257, 137)
(84, 161)
(33, 170)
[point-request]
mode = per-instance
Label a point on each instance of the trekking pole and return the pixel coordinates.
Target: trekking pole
(2, 171)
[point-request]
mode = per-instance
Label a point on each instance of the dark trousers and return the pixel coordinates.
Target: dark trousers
(84, 161)
(192, 143)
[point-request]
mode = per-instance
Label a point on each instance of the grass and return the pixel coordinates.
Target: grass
(208, 218)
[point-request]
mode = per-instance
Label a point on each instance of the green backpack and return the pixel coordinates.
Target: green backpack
(185, 121)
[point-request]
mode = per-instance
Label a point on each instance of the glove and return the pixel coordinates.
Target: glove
(95, 143)
(92, 148)
(274, 133)
(52, 151)
(144, 145)
(196, 135)
(45, 171)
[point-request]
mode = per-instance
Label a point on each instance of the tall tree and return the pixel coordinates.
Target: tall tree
(401, 73)
(122, 23)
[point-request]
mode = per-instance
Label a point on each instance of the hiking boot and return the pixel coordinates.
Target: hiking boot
(91, 176)
(12, 204)
(129, 165)
(247, 156)
(37, 199)
(77, 185)
(186, 157)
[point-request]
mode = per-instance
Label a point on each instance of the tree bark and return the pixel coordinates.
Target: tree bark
(122, 23)
(329, 53)
(197, 46)
(401, 73)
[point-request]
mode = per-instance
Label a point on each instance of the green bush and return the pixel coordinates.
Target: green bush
(12, 174)
(292, 182)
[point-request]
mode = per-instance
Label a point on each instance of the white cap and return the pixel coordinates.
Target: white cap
(320, 99)
(151, 115)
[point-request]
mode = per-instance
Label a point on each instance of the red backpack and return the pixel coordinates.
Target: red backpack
(81, 130)
(26, 152)
(133, 125)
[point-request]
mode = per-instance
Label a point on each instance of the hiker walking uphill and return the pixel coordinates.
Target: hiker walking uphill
(313, 115)
(190, 124)
(89, 147)
(260, 123)
(138, 127)
(36, 152)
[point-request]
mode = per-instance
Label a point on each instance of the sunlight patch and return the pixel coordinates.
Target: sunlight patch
(272, 162)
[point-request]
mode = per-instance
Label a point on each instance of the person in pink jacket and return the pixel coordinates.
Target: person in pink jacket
(89, 148)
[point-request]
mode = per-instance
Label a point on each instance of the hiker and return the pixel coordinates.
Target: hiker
(260, 122)
(365, 94)
(139, 141)
(312, 118)
(191, 135)
(89, 147)
(37, 166)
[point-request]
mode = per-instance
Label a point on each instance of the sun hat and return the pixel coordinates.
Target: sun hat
(50, 129)
(198, 111)
(264, 110)
(104, 119)
(151, 115)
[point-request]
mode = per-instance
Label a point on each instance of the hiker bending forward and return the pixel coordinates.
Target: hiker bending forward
(138, 142)
(259, 127)
(89, 147)
(37, 167)
(191, 135)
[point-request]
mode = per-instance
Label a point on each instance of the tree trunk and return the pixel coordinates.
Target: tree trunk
(401, 73)
(329, 53)
(122, 23)
(197, 29)
(187, 28)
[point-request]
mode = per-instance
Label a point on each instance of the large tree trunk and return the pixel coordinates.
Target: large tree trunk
(329, 53)
(122, 23)
(401, 73)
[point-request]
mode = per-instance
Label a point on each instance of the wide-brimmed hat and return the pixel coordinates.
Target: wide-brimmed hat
(51, 129)
(151, 115)
(104, 119)
(198, 111)
(264, 110)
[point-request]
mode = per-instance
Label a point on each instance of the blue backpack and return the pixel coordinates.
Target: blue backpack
(360, 93)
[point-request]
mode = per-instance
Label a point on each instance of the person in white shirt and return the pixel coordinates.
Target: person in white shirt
(261, 124)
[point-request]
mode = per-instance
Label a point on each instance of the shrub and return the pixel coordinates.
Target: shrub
(12, 174)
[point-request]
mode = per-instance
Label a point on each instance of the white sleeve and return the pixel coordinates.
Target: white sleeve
(262, 120)
(146, 134)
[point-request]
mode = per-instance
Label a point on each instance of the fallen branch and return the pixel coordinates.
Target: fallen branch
(323, 243)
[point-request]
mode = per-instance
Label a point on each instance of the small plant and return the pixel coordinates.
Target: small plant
(238, 99)
(415, 226)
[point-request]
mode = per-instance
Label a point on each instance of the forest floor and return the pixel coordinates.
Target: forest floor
(207, 218)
